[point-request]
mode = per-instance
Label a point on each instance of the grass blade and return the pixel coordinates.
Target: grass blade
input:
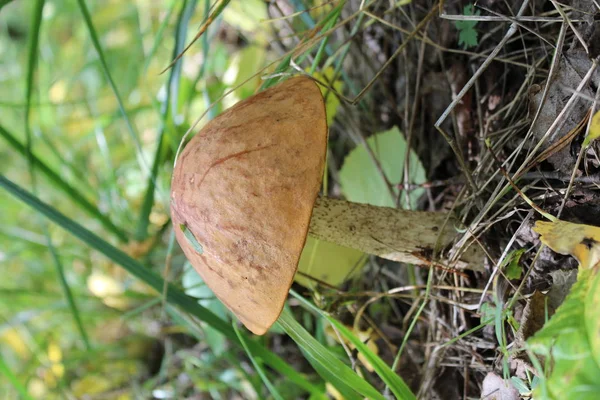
(158, 37)
(173, 82)
(336, 370)
(36, 24)
(69, 190)
(174, 295)
(259, 369)
(329, 22)
(5, 370)
(394, 382)
(281, 67)
(207, 22)
(60, 270)
(96, 43)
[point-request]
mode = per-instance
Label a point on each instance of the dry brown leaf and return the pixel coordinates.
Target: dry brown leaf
(580, 241)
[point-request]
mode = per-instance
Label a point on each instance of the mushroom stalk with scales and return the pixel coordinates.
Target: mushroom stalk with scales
(246, 187)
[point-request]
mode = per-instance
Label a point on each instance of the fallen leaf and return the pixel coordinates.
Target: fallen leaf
(109, 289)
(550, 102)
(90, 385)
(580, 241)
(594, 130)
(569, 343)
(562, 281)
(534, 316)
(138, 249)
(368, 337)
(496, 388)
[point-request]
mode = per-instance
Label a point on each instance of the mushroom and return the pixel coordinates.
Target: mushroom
(245, 188)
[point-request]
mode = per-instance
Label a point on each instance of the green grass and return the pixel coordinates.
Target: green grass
(92, 128)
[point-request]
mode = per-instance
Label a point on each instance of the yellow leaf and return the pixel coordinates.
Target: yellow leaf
(54, 352)
(332, 102)
(102, 285)
(594, 130)
(55, 357)
(91, 384)
(58, 91)
(320, 9)
(37, 388)
(247, 16)
(242, 66)
(109, 289)
(12, 338)
(367, 336)
(328, 262)
(56, 369)
(580, 241)
(137, 249)
(333, 392)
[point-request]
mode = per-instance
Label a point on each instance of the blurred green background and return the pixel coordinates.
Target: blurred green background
(97, 148)
(90, 122)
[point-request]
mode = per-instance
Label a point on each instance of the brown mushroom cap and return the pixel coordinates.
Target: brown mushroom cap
(245, 186)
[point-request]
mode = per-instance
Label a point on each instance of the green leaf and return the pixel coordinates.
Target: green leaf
(36, 23)
(514, 270)
(467, 35)
(246, 62)
(520, 385)
(395, 383)
(488, 313)
(570, 343)
(328, 262)
(362, 181)
(327, 23)
(60, 269)
(347, 393)
(467, 38)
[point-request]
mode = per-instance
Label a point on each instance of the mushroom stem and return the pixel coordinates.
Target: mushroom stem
(398, 235)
